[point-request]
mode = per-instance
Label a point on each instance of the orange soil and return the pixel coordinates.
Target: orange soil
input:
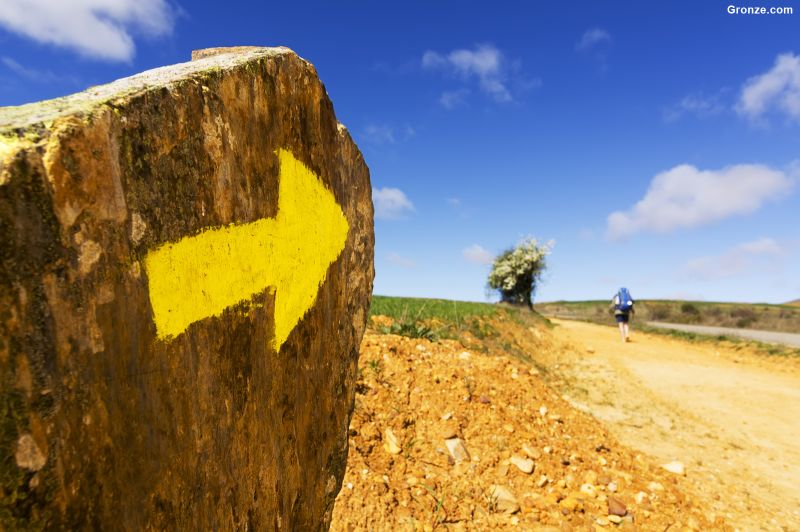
(424, 392)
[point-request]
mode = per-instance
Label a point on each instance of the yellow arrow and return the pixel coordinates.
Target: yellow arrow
(200, 276)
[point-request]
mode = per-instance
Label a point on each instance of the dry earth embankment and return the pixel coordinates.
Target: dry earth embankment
(470, 438)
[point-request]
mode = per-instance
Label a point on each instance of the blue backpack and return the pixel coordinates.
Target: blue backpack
(624, 300)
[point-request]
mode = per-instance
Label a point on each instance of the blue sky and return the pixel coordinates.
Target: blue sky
(658, 143)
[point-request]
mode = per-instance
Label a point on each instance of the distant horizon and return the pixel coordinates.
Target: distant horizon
(537, 302)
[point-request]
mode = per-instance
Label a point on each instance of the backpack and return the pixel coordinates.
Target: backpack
(624, 300)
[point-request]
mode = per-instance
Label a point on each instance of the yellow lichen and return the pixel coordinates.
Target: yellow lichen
(10, 145)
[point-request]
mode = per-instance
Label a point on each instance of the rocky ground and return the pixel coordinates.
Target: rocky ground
(472, 438)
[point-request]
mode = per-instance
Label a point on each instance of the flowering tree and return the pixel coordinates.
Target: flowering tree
(516, 271)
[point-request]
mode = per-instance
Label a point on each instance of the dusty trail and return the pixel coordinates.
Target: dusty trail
(732, 418)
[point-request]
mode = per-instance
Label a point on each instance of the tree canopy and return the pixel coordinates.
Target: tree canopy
(518, 270)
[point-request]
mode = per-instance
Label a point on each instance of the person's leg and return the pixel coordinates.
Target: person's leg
(626, 331)
(621, 329)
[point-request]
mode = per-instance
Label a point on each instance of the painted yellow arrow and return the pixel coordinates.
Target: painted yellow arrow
(200, 276)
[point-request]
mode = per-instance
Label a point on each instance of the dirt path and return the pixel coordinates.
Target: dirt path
(772, 337)
(732, 418)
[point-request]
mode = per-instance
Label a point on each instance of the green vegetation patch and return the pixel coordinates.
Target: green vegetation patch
(433, 319)
(477, 326)
(412, 329)
(412, 308)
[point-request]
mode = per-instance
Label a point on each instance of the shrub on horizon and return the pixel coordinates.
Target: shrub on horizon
(517, 271)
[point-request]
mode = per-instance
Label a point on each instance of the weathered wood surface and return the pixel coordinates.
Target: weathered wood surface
(111, 420)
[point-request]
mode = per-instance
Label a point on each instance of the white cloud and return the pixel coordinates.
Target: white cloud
(592, 38)
(100, 29)
(453, 99)
(401, 261)
(385, 134)
(685, 197)
(763, 246)
(745, 258)
(379, 134)
(32, 74)
(455, 201)
(485, 63)
(477, 255)
(698, 104)
(390, 203)
(777, 90)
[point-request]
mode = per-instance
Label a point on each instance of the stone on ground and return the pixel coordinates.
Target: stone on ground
(616, 506)
(390, 442)
(675, 467)
(457, 450)
(523, 464)
(504, 500)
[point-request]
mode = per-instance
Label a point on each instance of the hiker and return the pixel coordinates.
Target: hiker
(622, 303)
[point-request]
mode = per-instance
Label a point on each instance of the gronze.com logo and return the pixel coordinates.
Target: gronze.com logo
(760, 10)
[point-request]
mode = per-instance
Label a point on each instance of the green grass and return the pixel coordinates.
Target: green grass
(465, 321)
(415, 329)
(432, 319)
(412, 308)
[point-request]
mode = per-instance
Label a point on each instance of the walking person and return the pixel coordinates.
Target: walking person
(622, 303)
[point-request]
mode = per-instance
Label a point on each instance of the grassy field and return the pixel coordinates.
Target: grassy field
(781, 318)
(480, 327)
(437, 318)
(411, 308)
